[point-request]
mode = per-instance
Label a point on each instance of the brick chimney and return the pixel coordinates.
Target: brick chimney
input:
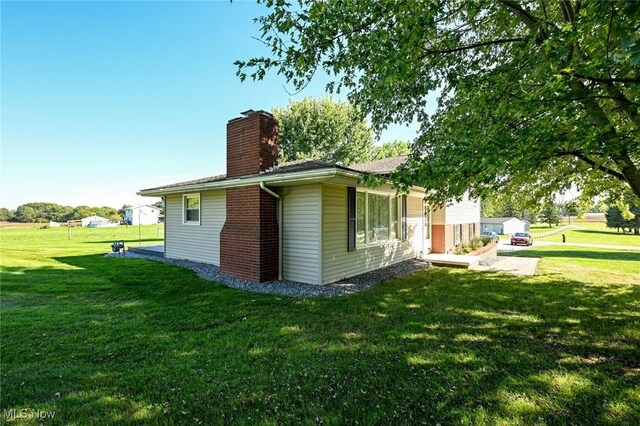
(249, 238)
(252, 143)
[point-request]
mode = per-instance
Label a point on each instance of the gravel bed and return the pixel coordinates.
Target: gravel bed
(292, 288)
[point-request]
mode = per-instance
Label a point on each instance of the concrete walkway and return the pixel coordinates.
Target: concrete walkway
(157, 251)
(525, 266)
(454, 260)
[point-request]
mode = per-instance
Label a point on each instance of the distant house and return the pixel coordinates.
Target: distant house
(142, 215)
(309, 221)
(94, 220)
(504, 225)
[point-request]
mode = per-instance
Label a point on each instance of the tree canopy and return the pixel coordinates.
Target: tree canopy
(508, 205)
(532, 95)
(550, 213)
(323, 129)
(391, 149)
(615, 219)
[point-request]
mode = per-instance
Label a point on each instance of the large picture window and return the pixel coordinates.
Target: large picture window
(376, 218)
(191, 209)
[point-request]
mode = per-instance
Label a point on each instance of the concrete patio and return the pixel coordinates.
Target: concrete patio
(157, 251)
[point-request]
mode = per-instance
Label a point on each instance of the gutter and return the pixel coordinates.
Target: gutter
(270, 192)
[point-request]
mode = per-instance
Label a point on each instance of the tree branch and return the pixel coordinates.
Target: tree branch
(581, 156)
(601, 79)
(472, 46)
(526, 17)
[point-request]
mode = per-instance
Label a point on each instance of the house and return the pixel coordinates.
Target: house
(94, 220)
(504, 225)
(142, 215)
(307, 221)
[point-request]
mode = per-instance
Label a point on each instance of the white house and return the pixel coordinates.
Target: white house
(307, 221)
(504, 225)
(141, 215)
(94, 219)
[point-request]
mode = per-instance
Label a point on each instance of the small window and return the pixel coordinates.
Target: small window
(191, 208)
(393, 229)
(427, 222)
(360, 218)
(457, 234)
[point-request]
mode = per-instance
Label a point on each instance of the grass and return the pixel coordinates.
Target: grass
(105, 341)
(593, 233)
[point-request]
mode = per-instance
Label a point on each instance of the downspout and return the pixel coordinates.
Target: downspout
(270, 192)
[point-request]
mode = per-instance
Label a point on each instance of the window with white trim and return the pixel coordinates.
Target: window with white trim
(457, 234)
(377, 218)
(191, 209)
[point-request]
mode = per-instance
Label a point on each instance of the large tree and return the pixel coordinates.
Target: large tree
(392, 149)
(550, 213)
(533, 95)
(323, 129)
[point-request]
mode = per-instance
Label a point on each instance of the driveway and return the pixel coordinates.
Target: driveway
(505, 247)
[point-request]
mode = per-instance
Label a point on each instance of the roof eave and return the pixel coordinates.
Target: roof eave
(280, 178)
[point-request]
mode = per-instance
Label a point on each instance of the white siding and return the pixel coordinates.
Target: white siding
(466, 211)
(301, 233)
(415, 223)
(338, 262)
(200, 243)
(438, 217)
(514, 225)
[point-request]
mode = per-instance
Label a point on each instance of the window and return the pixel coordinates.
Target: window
(191, 209)
(427, 222)
(393, 230)
(457, 234)
(377, 218)
(360, 218)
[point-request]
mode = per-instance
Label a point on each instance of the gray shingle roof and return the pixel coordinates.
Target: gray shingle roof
(496, 219)
(293, 166)
(383, 166)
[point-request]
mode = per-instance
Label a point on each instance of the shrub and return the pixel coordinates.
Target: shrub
(485, 239)
(476, 243)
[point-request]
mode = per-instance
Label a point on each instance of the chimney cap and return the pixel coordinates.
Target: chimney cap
(250, 113)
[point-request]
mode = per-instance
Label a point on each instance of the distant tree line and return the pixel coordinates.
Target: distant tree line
(47, 212)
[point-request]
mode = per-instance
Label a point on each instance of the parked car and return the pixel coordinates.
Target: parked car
(494, 237)
(521, 238)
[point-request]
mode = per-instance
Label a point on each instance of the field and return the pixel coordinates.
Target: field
(108, 341)
(591, 233)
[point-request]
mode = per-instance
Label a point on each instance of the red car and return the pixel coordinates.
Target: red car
(521, 238)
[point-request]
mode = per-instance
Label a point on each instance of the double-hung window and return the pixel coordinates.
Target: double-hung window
(191, 209)
(377, 218)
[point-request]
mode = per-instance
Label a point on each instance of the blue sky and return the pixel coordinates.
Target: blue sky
(101, 99)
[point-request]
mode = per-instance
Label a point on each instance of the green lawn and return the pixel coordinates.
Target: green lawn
(103, 340)
(592, 233)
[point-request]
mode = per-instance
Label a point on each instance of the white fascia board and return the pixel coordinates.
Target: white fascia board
(274, 178)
